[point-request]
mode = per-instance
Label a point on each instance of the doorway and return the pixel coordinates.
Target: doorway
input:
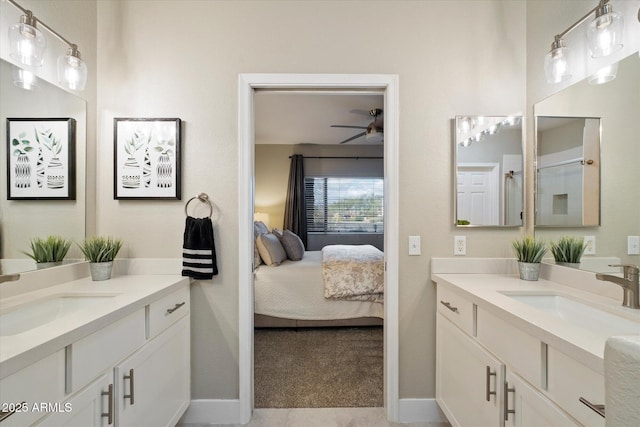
(388, 86)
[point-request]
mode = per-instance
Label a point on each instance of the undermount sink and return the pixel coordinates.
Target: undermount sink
(37, 313)
(578, 313)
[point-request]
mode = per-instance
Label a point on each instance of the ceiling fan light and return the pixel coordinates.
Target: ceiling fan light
(604, 75)
(556, 63)
(604, 33)
(27, 43)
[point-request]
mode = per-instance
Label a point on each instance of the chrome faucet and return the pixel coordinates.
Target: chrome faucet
(9, 277)
(629, 284)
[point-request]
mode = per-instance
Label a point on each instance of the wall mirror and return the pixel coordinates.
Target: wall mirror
(22, 220)
(567, 171)
(489, 171)
(617, 104)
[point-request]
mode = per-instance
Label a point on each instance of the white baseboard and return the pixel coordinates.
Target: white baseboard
(212, 411)
(419, 410)
(227, 411)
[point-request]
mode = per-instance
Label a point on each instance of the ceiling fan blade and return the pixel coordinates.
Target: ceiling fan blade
(353, 137)
(359, 111)
(348, 127)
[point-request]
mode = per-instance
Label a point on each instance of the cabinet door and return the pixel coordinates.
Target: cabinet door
(153, 384)
(91, 407)
(527, 407)
(468, 379)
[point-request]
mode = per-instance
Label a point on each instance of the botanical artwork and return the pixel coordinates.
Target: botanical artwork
(147, 158)
(41, 158)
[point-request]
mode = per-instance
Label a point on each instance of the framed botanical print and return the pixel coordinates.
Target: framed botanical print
(41, 158)
(146, 158)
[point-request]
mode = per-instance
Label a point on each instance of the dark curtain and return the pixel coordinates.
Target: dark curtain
(294, 209)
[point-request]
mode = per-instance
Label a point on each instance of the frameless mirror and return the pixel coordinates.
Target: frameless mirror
(22, 220)
(617, 104)
(567, 171)
(489, 171)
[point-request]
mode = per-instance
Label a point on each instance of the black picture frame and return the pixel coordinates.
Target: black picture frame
(147, 162)
(41, 158)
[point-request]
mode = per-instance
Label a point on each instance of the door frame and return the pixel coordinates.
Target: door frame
(387, 84)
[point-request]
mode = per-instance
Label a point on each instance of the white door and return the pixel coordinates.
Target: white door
(478, 194)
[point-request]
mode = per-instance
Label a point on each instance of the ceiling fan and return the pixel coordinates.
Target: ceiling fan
(372, 133)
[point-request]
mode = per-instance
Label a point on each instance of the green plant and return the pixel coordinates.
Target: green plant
(100, 249)
(529, 249)
(50, 249)
(568, 249)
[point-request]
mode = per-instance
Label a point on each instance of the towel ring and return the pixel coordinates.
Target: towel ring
(204, 198)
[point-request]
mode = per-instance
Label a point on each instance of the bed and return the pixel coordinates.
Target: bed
(292, 294)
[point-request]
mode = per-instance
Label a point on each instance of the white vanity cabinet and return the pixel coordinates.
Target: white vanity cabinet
(490, 373)
(133, 372)
(468, 384)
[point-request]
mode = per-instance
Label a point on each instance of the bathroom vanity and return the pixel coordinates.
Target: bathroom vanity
(87, 353)
(518, 353)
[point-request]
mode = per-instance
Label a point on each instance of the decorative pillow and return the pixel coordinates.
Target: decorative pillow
(293, 245)
(271, 250)
(259, 228)
(277, 232)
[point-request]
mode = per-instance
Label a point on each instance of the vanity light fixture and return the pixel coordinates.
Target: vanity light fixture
(604, 37)
(28, 45)
(604, 75)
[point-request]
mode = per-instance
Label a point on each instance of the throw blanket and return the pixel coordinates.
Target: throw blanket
(198, 249)
(353, 272)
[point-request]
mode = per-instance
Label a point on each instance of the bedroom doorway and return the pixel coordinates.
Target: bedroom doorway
(387, 86)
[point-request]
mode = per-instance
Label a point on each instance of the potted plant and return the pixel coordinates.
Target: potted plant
(100, 252)
(48, 252)
(568, 250)
(529, 252)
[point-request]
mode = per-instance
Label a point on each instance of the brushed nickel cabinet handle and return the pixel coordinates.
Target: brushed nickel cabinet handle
(131, 394)
(598, 409)
(489, 393)
(6, 414)
(109, 413)
(175, 307)
(449, 306)
(508, 411)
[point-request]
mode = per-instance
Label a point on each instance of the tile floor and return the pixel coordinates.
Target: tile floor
(323, 417)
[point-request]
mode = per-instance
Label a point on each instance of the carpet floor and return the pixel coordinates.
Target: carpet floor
(318, 367)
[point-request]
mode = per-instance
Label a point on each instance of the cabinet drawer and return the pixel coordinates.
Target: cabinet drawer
(42, 382)
(92, 355)
(168, 310)
(514, 347)
(568, 381)
(456, 308)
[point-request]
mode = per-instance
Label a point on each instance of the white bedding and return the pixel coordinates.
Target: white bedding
(295, 290)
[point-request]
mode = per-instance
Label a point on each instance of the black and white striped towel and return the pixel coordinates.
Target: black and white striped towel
(198, 249)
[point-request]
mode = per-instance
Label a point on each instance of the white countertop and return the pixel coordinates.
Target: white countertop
(582, 344)
(132, 292)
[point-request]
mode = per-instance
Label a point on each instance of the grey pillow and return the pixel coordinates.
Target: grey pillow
(293, 245)
(259, 228)
(271, 250)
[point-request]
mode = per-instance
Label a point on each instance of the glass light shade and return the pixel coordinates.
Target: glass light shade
(24, 79)
(605, 34)
(72, 72)
(556, 65)
(27, 44)
(604, 75)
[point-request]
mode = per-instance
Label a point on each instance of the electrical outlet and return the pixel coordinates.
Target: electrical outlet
(414, 245)
(460, 245)
(590, 245)
(633, 245)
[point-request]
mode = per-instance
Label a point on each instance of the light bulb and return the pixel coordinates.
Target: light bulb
(27, 42)
(556, 63)
(72, 71)
(605, 32)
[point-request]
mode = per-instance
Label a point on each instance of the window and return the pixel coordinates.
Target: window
(348, 205)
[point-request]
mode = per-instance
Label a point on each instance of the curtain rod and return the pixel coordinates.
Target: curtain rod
(340, 157)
